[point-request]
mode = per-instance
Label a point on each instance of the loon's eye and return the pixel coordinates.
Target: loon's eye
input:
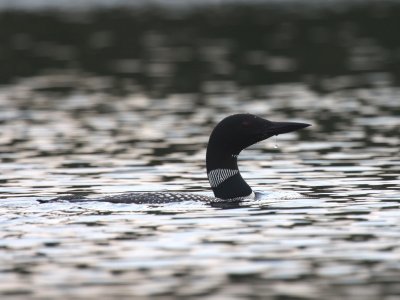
(246, 124)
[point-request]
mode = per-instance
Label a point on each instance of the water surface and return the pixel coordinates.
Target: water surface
(328, 226)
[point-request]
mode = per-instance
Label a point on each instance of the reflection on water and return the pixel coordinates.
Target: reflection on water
(114, 123)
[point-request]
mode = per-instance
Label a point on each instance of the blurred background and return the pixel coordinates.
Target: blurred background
(163, 47)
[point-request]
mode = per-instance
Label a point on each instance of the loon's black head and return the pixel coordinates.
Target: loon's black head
(228, 139)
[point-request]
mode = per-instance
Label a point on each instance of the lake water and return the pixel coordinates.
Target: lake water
(82, 112)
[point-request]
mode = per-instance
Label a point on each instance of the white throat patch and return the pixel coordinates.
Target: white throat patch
(217, 176)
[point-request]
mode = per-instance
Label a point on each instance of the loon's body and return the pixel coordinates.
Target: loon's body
(227, 140)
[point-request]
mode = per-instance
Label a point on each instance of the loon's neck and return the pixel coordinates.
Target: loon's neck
(224, 176)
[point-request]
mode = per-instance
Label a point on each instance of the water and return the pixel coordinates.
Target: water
(327, 226)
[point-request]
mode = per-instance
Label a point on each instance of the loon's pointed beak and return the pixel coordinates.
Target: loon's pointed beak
(285, 127)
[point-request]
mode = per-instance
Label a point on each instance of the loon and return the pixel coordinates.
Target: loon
(231, 135)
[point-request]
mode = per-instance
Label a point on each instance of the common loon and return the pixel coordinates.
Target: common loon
(227, 140)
